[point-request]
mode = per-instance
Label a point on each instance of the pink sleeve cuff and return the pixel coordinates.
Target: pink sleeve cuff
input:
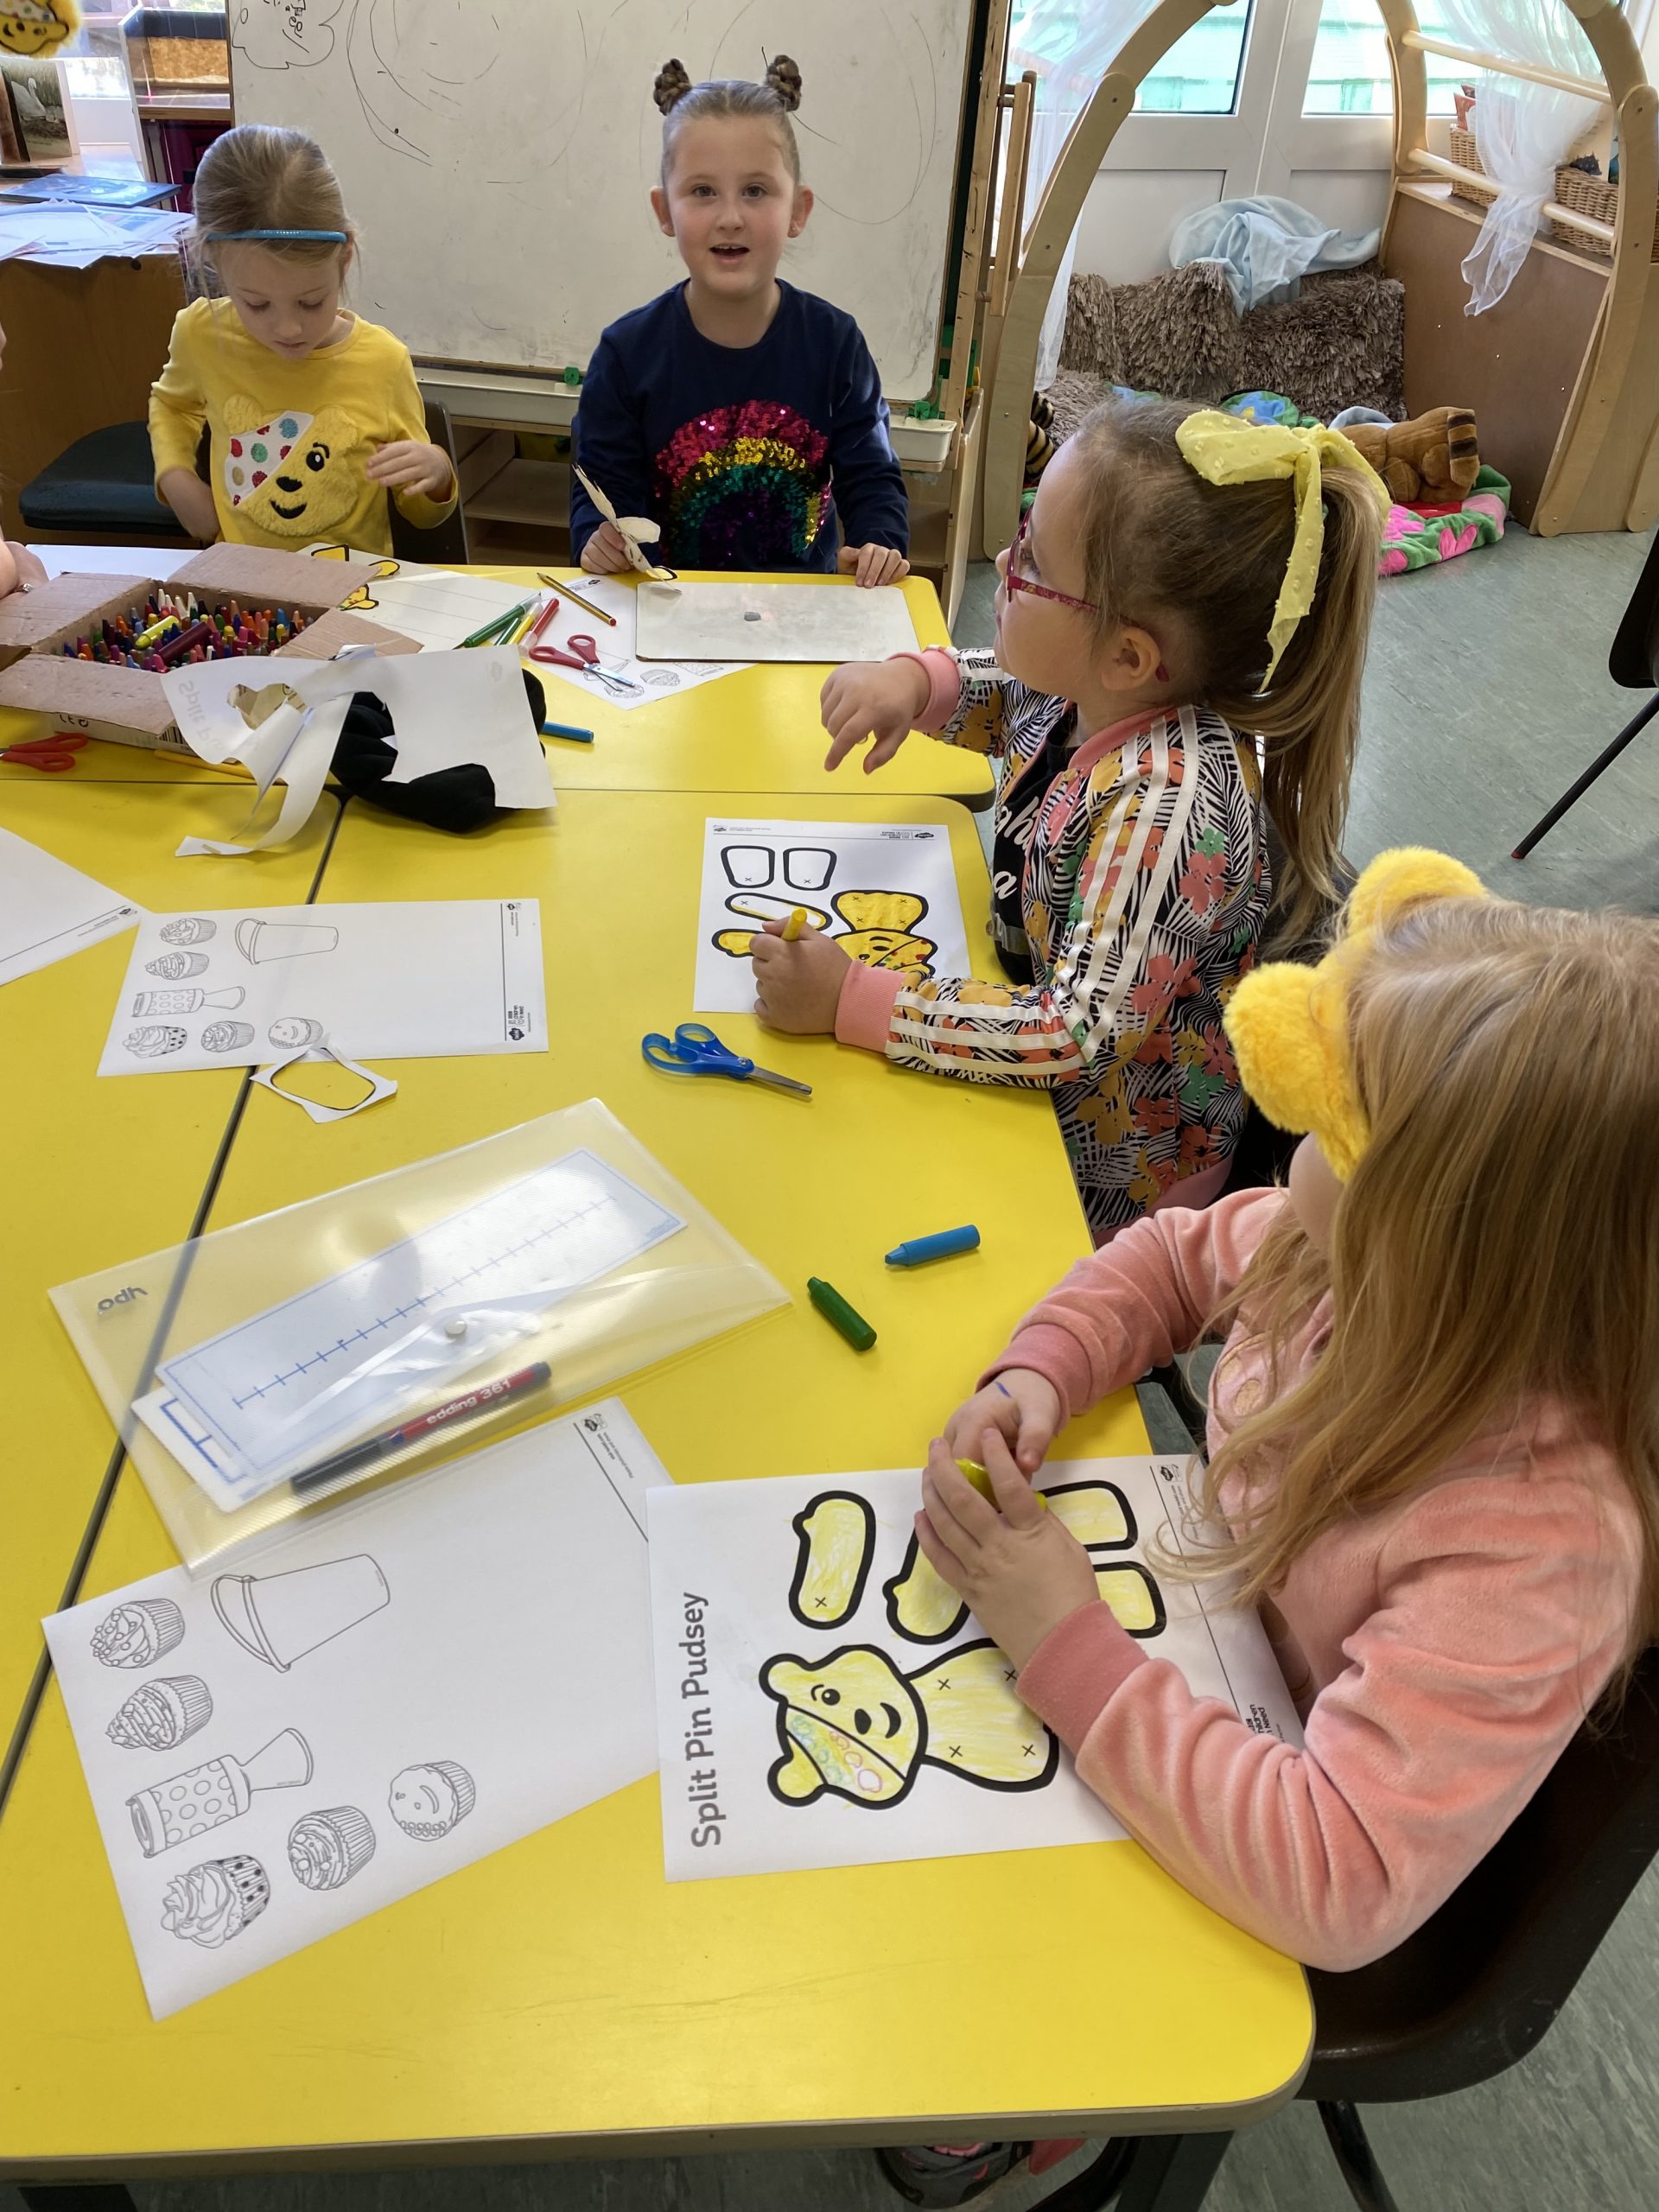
(864, 1011)
(945, 686)
(1053, 1353)
(1077, 1669)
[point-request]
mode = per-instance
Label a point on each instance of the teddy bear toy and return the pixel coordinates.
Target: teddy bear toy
(1433, 457)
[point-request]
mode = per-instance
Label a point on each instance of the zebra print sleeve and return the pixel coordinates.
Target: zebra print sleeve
(1139, 931)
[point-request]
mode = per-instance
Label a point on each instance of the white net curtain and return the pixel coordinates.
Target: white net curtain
(1070, 44)
(1522, 130)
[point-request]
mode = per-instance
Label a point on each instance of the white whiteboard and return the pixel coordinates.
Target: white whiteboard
(496, 156)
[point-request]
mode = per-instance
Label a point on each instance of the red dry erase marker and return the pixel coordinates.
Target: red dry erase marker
(484, 1400)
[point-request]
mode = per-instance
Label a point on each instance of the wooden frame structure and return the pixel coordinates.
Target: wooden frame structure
(1555, 371)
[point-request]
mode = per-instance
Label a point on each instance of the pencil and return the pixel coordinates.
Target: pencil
(557, 583)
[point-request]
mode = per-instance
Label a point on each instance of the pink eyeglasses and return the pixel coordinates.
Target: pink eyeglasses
(1016, 581)
(1012, 581)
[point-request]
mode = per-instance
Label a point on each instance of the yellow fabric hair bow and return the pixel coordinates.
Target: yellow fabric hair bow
(1226, 449)
(1288, 1024)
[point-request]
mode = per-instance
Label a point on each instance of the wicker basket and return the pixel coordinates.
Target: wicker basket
(1466, 155)
(1593, 196)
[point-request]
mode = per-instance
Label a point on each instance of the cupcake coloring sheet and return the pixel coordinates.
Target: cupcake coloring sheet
(405, 979)
(276, 1751)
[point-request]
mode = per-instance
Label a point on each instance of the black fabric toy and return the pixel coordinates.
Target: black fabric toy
(458, 799)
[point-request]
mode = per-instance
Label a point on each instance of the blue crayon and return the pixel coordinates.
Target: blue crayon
(918, 1250)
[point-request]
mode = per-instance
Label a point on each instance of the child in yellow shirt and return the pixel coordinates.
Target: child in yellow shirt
(314, 414)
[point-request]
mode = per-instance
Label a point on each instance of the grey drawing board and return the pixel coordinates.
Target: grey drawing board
(772, 622)
(497, 159)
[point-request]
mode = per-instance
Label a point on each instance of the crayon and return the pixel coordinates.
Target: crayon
(794, 925)
(839, 1314)
(916, 1250)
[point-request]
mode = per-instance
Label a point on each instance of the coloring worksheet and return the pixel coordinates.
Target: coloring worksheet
(620, 678)
(398, 980)
(885, 891)
(438, 608)
(49, 910)
(825, 1698)
(267, 1398)
(361, 1710)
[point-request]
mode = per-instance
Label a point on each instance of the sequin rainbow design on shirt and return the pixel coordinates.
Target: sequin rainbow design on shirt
(254, 453)
(743, 488)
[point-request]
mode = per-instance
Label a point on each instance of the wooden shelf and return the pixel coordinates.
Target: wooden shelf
(1440, 196)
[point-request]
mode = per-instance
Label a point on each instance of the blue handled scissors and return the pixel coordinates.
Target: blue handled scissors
(696, 1050)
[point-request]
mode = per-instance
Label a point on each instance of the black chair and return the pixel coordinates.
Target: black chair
(1633, 662)
(1480, 1983)
(100, 489)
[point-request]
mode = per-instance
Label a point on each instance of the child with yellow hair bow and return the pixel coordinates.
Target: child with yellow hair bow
(1180, 632)
(1434, 1429)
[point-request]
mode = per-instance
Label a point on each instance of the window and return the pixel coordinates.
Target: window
(1200, 74)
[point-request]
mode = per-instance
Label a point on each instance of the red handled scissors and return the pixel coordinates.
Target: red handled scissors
(53, 756)
(580, 652)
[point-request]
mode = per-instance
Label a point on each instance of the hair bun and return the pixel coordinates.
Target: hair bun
(784, 78)
(672, 85)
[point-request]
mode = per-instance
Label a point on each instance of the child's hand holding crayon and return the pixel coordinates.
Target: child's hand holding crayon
(872, 698)
(1021, 1407)
(797, 979)
(1020, 1569)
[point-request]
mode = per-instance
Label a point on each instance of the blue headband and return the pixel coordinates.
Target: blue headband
(325, 237)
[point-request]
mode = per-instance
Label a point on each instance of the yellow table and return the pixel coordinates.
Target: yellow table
(560, 1997)
(96, 1170)
(757, 731)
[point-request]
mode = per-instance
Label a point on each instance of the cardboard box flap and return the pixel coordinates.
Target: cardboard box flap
(265, 578)
(64, 603)
(322, 638)
(50, 684)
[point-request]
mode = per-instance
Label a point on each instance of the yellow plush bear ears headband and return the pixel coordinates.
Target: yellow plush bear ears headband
(1288, 1024)
(1226, 449)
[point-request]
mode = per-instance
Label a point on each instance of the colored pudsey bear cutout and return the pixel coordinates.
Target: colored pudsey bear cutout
(36, 27)
(856, 1727)
(296, 474)
(836, 1536)
(256, 708)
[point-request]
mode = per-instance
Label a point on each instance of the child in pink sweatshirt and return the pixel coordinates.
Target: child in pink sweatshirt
(1435, 1427)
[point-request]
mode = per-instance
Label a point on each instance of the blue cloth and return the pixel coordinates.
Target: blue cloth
(1266, 246)
(746, 455)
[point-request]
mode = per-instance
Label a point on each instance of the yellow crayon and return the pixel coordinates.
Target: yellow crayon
(980, 1477)
(794, 925)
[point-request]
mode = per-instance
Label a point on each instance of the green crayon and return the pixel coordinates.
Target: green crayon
(839, 1314)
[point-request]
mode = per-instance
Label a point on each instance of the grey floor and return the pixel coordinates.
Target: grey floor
(1487, 691)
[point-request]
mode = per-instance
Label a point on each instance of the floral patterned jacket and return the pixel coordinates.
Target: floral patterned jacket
(1132, 887)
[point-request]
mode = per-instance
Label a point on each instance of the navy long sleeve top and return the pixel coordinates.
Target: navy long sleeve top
(746, 455)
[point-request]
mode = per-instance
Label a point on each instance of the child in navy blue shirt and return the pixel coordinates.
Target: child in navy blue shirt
(744, 416)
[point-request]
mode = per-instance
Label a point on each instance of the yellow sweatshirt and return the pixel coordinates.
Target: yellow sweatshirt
(290, 439)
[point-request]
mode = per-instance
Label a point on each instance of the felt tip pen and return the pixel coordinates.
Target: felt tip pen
(470, 1407)
(566, 729)
(794, 925)
(839, 1314)
(915, 1251)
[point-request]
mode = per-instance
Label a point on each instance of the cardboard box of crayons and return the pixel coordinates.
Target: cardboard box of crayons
(127, 705)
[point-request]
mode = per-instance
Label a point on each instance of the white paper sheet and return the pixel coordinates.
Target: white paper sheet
(395, 1334)
(282, 719)
(49, 910)
(372, 1692)
(158, 561)
(395, 981)
(823, 1700)
(435, 606)
(773, 622)
(642, 683)
(886, 891)
(69, 237)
